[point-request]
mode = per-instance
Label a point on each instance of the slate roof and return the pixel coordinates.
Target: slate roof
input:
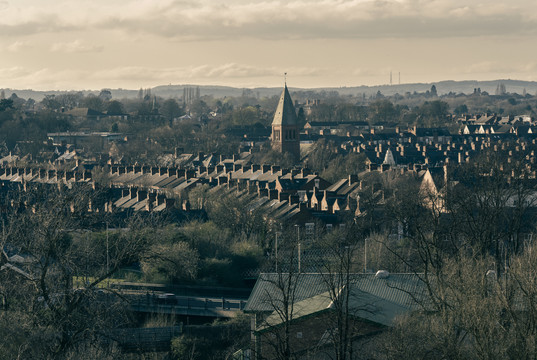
(285, 111)
(293, 184)
(83, 112)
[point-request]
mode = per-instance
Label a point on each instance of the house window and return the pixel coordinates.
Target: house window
(309, 231)
(277, 135)
(328, 227)
(299, 335)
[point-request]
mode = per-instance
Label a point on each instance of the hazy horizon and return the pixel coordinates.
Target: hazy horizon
(78, 45)
(277, 86)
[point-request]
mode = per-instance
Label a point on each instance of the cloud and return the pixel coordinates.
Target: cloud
(136, 76)
(233, 70)
(17, 22)
(17, 46)
(14, 72)
(300, 19)
(76, 46)
(278, 19)
(199, 72)
(498, 67)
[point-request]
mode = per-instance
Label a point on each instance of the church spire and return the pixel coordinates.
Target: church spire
(285, 111)
(285, 132)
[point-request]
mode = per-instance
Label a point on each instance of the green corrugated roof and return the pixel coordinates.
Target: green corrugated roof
(285, 111)
(266, 291)
(372, 298)
(301, 309)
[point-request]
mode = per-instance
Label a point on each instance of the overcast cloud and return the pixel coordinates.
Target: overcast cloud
(210, 19)
(247, 43)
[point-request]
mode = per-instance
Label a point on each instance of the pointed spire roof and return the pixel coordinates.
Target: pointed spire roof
(389, 158)
(285, 111)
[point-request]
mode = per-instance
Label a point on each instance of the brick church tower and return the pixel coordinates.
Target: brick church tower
(285, 132)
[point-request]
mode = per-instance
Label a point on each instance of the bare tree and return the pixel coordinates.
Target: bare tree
(279, 298)
(42, 231)
(338, 270)
(469, 245)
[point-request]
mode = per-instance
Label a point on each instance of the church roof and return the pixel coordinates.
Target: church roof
(285, 112)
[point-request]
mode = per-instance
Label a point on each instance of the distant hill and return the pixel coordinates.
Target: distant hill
(176, 91)
(442, 87)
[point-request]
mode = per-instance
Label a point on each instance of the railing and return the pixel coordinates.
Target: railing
(187, 305)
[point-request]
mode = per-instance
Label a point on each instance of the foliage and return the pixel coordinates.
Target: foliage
(432, 113)
(202, 252)
(6, 104)
(331, 165)
(382, 110)
(320, 155)
(215, 341)
(274, 157)
(245, 115)
(170, 109)
(344, 165)
(481, 315)
(114, 107)
(461, 109)
(177, 262)
(229, 211)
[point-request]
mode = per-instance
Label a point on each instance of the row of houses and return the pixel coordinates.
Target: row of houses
(281, 195)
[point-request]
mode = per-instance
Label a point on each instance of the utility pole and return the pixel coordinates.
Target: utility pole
(299, 252)
(107, 254)
(276, 251)
(365, 255)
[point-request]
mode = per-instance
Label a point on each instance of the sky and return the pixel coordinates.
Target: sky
(80, 44)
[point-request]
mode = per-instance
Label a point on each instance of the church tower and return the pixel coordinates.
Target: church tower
(285, 132)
